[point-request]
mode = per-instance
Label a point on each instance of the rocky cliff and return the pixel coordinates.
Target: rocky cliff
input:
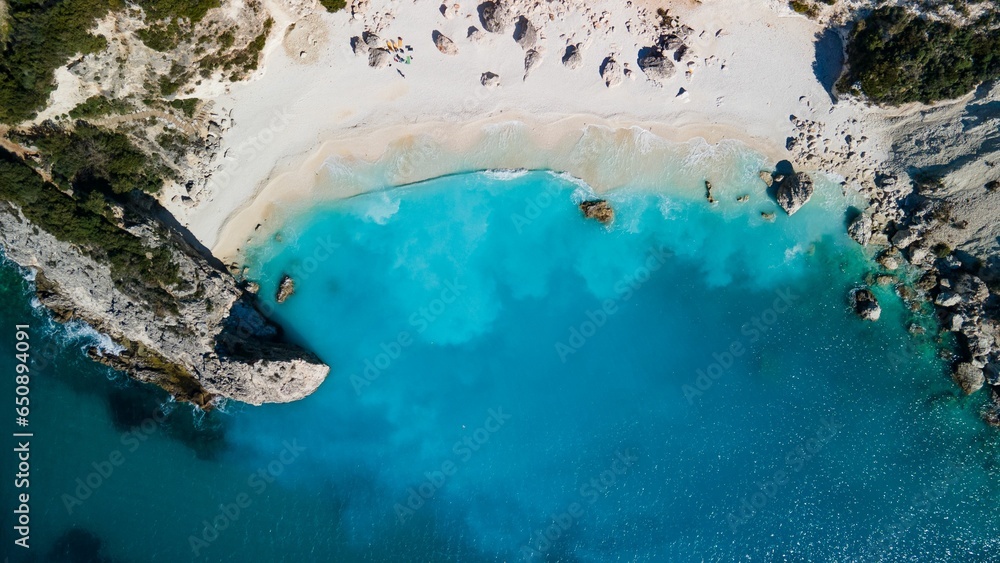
(209, 340)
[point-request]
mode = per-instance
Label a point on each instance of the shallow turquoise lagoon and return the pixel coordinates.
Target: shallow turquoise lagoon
(514, 382)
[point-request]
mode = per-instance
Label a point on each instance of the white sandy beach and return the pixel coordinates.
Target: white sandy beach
(314, 98)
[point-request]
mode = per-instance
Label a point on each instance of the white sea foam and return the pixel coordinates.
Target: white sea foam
(505, 174)
(583, 190)
(91, 338)
(382, 207)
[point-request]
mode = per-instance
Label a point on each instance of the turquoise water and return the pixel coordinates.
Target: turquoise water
(513, 382)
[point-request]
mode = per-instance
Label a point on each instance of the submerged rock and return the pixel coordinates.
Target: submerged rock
(598, 209)
(968, 377)
(865, 305)
(769, 217)
(285, 289)
(794, 191)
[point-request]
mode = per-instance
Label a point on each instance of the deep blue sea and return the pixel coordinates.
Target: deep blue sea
(513, 382)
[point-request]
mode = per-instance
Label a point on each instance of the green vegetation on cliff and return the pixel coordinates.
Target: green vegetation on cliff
(136, 269)
(88, 159)
(896, 56)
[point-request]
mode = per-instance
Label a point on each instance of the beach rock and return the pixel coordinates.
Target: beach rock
(947, 299)
(532, 59)
(767, 178)
(379, 58)
(971, 288)
(794, 191)
(475, 34)
(860, 229)
(444, 44)
(708, 192)
(769, 217)
(490, 80)
(598, 209)
(285, 289)
(865, 304)
(525, 33)
(656, 66)
(495, 17)
(611, 72)
(968, 377)
(252, 288)
(671, 42)
(743, 198)
(888, 260)
(573, 59)
(904, 237)
(359, 46)
(450, 11)
(372, 40)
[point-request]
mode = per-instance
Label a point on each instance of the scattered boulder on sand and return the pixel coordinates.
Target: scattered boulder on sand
(656, 66)
(598, 209)
(379, 58)
(490, 80)
(475, 34)
(968, 377)
(525, 33)
(450, 11)
(359, 46)
(532, 59)
(611, 72)
(371, 39)
(495, 17)
(860, 229)
(865, 305)
(285, 289)
(573, 59)
(444, 44)
(794, 191)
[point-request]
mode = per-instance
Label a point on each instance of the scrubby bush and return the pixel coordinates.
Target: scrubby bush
(895, 56)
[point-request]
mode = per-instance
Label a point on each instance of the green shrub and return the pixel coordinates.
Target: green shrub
(136, 269)
(99, 106)
(896, 57)
(333, 5)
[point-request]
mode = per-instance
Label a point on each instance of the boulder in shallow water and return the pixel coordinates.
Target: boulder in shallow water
(598, 209)
(657, 66)
(968, 377)
(285, 289)
(865, 305)
(860, 229)
(794, 191)
(767, 178)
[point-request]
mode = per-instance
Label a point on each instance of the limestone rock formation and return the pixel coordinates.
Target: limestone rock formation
(794, 191)
(525, 33)
(213, 343)
(865, 305)
(495, 16)
(599, 210)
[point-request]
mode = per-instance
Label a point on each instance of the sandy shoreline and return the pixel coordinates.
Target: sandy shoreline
(297, 181)
(314, 98)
